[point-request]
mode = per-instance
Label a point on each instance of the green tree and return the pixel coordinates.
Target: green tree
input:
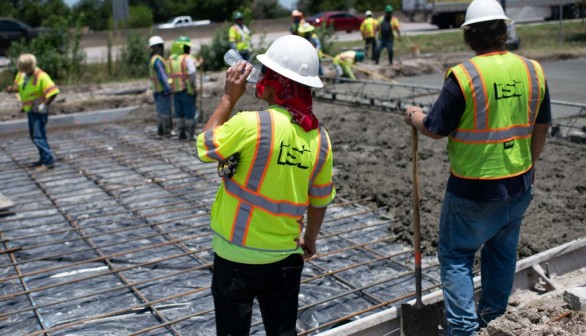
(93, 13)
(135, 56)
(140, 16)
(213, 54)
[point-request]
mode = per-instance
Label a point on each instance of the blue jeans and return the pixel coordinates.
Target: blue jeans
(384, 44)
(37, 124)
(465, 227)
(162, 103)
(184, 105)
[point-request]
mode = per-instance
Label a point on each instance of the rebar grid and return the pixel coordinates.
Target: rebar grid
(125, 217)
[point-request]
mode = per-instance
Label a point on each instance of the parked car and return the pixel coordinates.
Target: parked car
(182, 21)
(13, 30)
(342, 21)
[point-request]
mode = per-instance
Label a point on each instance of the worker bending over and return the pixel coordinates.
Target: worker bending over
(344, 61)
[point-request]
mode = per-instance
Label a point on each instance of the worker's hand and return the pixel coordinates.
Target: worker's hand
(199, 62)
(309, 248)
(410, 110)
(43, 108)
(236, 80)
(11, 88)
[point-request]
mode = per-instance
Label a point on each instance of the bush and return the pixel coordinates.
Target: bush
(326, 35)
(214, 54)
(140, 16)
(58, 51)
(135, 56)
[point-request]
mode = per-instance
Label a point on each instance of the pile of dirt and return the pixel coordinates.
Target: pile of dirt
(547, 316)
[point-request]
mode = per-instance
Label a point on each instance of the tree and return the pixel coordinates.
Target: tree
(93, 13)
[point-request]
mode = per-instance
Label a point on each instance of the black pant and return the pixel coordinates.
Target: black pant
(370, 41)
(276, 287)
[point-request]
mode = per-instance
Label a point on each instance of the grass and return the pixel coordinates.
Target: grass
(536, 40)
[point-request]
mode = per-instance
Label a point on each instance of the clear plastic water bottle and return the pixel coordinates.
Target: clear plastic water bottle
(232, 56)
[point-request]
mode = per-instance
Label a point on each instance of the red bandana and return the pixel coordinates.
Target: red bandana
(294, 96)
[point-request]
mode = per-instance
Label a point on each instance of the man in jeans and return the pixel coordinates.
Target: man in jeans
(496, 123)
(37, 91)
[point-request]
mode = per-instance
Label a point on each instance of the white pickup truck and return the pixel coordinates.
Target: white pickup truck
(182, 21)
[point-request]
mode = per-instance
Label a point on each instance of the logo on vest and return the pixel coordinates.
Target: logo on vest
(509, 144)
(291, 156)
(508, 90)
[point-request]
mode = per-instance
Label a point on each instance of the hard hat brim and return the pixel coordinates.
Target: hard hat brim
(312, 81)
(486, 18)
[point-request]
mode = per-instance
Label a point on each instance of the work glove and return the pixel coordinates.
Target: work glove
(43, 108)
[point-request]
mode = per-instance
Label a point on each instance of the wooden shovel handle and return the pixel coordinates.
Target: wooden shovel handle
(416, 215)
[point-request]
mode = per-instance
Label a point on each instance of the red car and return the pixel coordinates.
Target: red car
(342, 21)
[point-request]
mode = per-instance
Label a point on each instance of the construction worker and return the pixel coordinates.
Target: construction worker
(368, 29)
(159, 72)
(388, 29)
(307, 31)
(284, 168)
(36, 91)
(344, 61)
(496, 123)
(183, 71)
(298, 21)
(239, 37)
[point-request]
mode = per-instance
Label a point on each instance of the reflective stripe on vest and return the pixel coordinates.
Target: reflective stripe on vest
(248, 196)
(179, 74)
(481, 131)
(241, 37)
(30, 95)
(503, 93)
(324, 148)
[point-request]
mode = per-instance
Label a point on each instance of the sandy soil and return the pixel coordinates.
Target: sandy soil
(372, 155)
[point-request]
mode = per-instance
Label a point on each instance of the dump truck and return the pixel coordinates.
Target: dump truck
(451, 13)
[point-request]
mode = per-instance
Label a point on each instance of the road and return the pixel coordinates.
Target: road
(99, 53)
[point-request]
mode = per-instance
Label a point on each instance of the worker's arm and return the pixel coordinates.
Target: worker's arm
(315, 217)
(538, 139)
(234, 88)
(162, 76)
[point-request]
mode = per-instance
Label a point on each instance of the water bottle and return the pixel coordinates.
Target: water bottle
(232, 56)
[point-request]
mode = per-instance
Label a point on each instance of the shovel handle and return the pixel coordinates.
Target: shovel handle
(416, 216)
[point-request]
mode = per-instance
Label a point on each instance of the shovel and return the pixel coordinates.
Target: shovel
(418, 319)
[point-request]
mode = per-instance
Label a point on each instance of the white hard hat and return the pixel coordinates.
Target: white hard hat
(154, 40)
(293, 57)
(368, 13)
(295, 12)
(484, 10)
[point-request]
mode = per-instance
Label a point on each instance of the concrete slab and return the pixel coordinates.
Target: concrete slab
(84, 118)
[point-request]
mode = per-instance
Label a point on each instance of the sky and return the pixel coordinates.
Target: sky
(285, 3)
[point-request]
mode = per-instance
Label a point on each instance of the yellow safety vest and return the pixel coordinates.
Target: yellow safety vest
(368, 27)
(282, 169)
(240, 36)
(346, 58)
(503, 94)
(179, 74)
(37, 89)
(157, 86)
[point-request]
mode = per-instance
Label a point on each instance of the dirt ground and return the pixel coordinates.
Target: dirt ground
(372, 158)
